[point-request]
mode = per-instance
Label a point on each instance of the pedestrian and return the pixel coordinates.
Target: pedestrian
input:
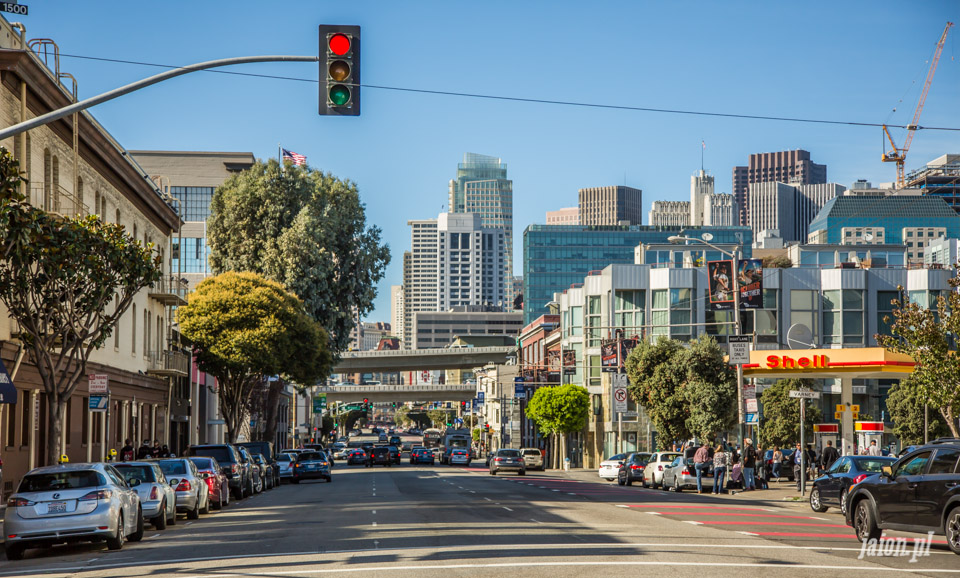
(812, 461)
(701, 463)
(144, 451)
(797, 465)
(760, 469)
(165, 451)
(777, 462)
(828, 456)
(874, 449)
(155, 450)
(126, 452)
(749, 458)
(720, 461)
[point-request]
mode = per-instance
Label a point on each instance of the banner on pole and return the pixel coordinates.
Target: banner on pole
(750, 279)
(609, 352)
(721, 284)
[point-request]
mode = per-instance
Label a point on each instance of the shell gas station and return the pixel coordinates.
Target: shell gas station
(844, 365)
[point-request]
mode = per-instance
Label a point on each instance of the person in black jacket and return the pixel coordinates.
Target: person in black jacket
(829, 456)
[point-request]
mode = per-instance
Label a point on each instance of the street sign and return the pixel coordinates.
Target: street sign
(98, 403)
(480, 398)
(98, 383)
(8, 393)
(841, 408)
(13, 8)
(319, 403)
(749, 391)
(739, 346)
(620, 399)
(804, 394)
(855, 408)
(519, 390)
(838, 415)
(752, 405)
(753, 418)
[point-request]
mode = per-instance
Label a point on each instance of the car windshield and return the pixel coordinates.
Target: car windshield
(640, 458)
(221, 454)
(872, 465)
(531, 452)
(61, 481)
(616, 458)
(173, 468)
(203, 463)
(311, 457)
(284, 458)
(142, 473)
(508, 453)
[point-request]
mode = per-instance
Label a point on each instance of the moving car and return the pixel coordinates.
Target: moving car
(653, 472)
(394, 453)
(193, 494)
(919, 493)
(459, 457)
(379, 456)
(395, 441)
(239, 477)
(311, 466)
(831, 488)
(507, 460)
(632, 470)
(71, 503)
(158, 502)
(216, 480)
(357, 457)
(533, 458)
(611, 466)
(422, 456)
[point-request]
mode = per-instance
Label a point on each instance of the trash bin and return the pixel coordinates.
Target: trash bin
(566, 464)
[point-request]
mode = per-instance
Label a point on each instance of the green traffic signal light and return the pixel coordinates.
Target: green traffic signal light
(339, 95)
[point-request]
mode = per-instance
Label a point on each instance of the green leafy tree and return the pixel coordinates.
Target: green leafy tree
(780, 424)
(779, 262)
(438, 417)
(686, 390)
(929, 336)
(906, 406)
(66, 282)
(559, 411)
(245, 327)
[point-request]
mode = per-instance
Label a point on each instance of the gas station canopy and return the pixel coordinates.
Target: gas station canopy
(851, 363)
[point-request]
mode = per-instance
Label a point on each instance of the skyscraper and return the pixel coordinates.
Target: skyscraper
(669, 214)
(482, 187)
(788, 209)
(611, 206)
(790, 167)
(419, 273)
(396, 310)
(701, 187)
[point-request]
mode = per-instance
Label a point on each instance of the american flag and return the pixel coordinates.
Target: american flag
(295, 158)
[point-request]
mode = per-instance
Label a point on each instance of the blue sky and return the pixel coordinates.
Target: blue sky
(850, 61)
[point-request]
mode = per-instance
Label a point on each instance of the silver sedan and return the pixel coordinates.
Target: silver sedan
(193, 494)
(72, 502)
(157, 499)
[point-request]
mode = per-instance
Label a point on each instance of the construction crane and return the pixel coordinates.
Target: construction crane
(899, 155)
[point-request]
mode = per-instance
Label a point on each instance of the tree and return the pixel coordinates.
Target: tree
(559, 410)
(929, 336)
(305, 229)
(58, 278)
(245, 327)
(686, 390)
(438, 417)
(778, 262)
(906, 407)
(780, 425)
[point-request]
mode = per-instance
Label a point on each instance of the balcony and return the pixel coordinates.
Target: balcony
(56, 199)
(169, 290)
(168, 364)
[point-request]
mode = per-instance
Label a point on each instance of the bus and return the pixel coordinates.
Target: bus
(432, 437)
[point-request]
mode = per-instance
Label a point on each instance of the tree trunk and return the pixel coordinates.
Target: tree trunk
(54, 429)
(271, 409)
(948, 415)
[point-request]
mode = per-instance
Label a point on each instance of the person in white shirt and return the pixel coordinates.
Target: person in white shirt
(873, 450)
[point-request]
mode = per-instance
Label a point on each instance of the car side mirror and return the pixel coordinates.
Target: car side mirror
(887, 472)
(133, 483)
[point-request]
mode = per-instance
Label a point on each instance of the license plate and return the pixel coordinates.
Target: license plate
(56, 507)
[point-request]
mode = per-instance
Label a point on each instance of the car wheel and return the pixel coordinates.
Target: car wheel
(295, 480)
(138, 534)
(815, 504)
(522, 472)
(843, 503)
(15, 551)
(195, 512)
(218, 505)
(952, 530)
(620, 481)
(238, 494)
(116, 541)
(627, 482)
(160, 522)
(864, 522)
(493, 472)
(206, 507)
(676, 486)
(329, 479)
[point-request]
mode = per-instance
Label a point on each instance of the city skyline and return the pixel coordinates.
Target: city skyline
(553, 151)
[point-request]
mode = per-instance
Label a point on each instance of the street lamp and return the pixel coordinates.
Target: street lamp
(683, 239)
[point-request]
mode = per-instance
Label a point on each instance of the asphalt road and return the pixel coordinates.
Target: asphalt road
(451, 521)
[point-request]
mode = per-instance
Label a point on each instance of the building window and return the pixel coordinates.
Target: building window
(594, 331)
(843, 317)
(671, 307)
(763, 321)
(629, 311)
(11, 437)
(133, 331)
(803, 311)
(195, 201)
(575, 327)
(885, 307)
(25, 416)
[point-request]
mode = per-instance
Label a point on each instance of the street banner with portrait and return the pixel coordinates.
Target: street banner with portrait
(626, 346)
(569, 361)
(608, 356)
(750, 279)
(553, 365)
(721, 284)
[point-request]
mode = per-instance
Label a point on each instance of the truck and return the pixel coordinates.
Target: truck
(454, 438)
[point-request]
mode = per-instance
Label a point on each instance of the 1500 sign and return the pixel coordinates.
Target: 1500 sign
(13, 8)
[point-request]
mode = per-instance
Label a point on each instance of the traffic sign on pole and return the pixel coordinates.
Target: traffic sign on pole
(804, 394)
(620, 399)
(739, 349)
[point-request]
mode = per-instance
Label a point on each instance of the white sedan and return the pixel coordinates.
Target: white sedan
(610, 467)
(653, 473)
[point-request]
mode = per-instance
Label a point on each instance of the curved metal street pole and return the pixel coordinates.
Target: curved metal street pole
(117, 92)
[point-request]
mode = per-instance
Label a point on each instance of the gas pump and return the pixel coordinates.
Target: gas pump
(868, 431)
(824, 432)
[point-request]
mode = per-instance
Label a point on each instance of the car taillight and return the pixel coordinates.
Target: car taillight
(98, 495)
(498, 460)
(233, 468)
(184, 486)
(659, 468)
(685, 472)
(859, 478)
(153, 493)
(636, 467)
(19, 502)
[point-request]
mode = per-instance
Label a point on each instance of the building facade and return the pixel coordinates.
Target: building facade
(396, 311)
(616, 205)
(786, 208)
(419, 274)
(435, 329)
(790, 167)
(943, 252)
(940, 177)
(470, 260)
(565, 216)
(669, 214)
(720, 211)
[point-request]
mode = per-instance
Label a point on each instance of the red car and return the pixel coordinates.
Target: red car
(212, 474)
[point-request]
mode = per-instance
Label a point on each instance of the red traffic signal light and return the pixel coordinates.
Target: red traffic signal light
(365, 400)
(340, 67)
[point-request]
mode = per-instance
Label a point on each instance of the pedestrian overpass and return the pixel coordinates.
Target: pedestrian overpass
(400, 360)
(398, 393)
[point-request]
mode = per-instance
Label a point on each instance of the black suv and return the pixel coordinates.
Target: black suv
(266, 450)
(234, 467)
(920, 492)
(379, 456)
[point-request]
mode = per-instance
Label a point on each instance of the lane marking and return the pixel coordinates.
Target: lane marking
(374, 524)
(738, 514)
(694, 507)
(472, 492)
(747, 533)
(374, 512)
(571, 494)
(692, 522)
(737, 523)
(506, 508)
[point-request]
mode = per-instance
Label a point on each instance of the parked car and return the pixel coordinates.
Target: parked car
(610, 466)
(379, 456)
(72, 502)
(459, 456)
(239, 477)
(505, 459)
(680, 474)
(786, 467)
(653, 472)
(533, 458)
(158, 502)
(193, 495)
(269, 455)
(632, 469)
(256, 483)
(357, 457)
(919, 493)
(216, 480)
(266, 471)
(311, 466)
(831, 488)
(422, 456)
(286, 461)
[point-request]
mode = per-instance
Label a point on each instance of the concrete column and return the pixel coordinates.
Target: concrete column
(125, 423)
(153, 423)
(3, 413)
(846, 425)
(103, 435)
(32, 446)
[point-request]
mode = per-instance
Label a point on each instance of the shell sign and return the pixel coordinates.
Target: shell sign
(802, 362)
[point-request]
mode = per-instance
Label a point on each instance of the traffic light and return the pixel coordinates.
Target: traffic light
(339, 70)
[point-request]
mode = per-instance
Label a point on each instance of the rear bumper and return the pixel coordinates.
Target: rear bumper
(43, 531)
(186, 501)
(151, 509)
